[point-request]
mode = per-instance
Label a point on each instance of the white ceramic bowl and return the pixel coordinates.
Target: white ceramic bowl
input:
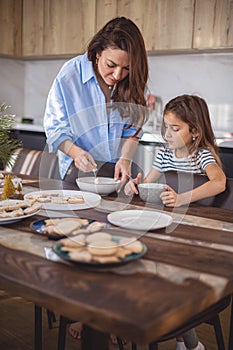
(105, 185)
(150, 192)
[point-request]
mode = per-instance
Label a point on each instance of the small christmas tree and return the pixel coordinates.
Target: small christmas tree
(19, 187)
(7, 144)
(8, 189)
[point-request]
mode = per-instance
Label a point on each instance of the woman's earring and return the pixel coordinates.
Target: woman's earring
(194, 138)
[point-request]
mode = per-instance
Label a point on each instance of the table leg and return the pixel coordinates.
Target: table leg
(38, 328)
(94, 340)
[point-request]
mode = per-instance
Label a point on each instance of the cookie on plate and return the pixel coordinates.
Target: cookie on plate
(131, 244)
(98, 236)
(64, 227)
(83, 256)
(105, 259)
(95, 226)
(34, 208)
(102, 248)
(75, 241)
(75, 200)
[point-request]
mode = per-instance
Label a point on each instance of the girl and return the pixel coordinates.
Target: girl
(191, 147)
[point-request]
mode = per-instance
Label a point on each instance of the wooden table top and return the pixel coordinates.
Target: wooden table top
(187, 268)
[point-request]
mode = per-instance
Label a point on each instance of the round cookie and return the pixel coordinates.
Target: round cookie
(102, 248)
(98, 236)
(131, 244)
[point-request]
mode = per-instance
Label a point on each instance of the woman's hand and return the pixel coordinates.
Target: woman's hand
(84, 161)
(151, 99)
(122, 170)
(130, 187)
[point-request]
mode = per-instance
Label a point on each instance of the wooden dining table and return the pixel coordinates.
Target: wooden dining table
(187, 268)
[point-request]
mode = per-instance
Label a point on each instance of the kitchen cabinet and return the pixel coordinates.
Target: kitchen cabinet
(68, 26)
(175, 25)
(105, 10)
(63, 28)
(172, 25)
(57, 27)
(213, 25)
(162, 22)
(33, 27)
(10, 27)
(157, 20)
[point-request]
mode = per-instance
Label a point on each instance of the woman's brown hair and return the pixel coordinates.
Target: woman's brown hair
(122, 33)
(194, 111)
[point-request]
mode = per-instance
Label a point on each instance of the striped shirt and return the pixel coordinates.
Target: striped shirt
(166, 160)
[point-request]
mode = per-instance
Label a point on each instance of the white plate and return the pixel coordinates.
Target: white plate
(140, 219)
(17, 218)
(91, 200)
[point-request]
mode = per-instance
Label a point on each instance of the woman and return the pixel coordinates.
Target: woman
(95, 108)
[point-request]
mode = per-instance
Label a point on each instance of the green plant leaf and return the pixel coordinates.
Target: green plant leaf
(7, 143)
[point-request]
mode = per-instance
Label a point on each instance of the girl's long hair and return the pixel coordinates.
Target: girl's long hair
(194, 111)
(123, 34)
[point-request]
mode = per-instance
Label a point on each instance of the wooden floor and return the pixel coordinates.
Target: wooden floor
(17, 333)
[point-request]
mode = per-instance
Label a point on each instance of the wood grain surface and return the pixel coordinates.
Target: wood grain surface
(191, 268)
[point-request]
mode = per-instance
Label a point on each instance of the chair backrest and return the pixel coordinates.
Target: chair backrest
(226, 156)
(182, 182)
(34, 162)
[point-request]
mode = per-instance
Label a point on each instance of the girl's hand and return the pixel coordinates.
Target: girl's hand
(130, 187)
(85, 162)
(169, 197)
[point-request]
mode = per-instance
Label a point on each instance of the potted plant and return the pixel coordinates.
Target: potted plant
(7, 143)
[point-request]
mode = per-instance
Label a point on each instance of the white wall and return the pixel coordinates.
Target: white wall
(25, 84)
(12, 85)
(39, 76)
(208, 75)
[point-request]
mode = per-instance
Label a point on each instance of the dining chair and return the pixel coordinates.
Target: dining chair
(226, 156)
(33, 162)
(230, 342)
(181, 182)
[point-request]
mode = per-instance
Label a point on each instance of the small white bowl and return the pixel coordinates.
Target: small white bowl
(150, 192)
(105, 185)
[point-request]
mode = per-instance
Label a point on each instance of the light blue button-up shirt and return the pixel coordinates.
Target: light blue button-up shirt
(76, 110)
